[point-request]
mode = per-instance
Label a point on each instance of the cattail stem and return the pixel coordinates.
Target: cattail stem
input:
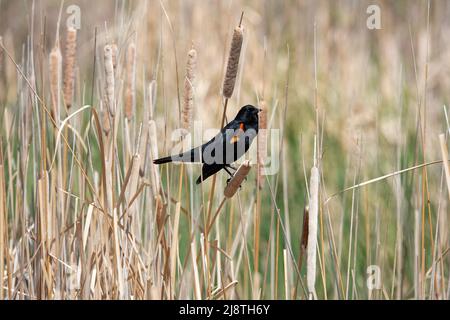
(130, 94)
(262, 142)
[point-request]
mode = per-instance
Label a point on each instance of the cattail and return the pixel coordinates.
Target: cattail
(312, 230)
(115, 56)
(2, 84)
(233, 62)
(130, 93)
(262, 142)
(55, 67)
(71, 47)
(237, 179)
(188, 101)
(148, 112)
(109, 73)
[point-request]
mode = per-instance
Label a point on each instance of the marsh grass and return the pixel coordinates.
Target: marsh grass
(85, 214)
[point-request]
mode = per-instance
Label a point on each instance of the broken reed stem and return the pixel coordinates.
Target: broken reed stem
(444, 152)
(109, 73)
(55, 68)
(69, 66)
(237, 179)
(312, 230)
(188, 98)
(130, 93)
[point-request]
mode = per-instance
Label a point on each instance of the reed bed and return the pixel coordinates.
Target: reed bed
(344, 195)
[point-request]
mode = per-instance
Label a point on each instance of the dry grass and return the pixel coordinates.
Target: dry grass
(85, 214)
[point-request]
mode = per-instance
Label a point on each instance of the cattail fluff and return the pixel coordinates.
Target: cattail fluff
(237, 179)
(130, 93)
(233, 62)
(69, 67)
(312, 231)
(262, 142)
(55, 67)
(188, 99)
(109, 73)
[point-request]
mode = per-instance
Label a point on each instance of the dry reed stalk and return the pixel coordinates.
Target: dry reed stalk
(188, 98)
(174, 249)
(130, 94)
(69, 67)
(262, 142)
(286, 275)
(197, 292)
(109, 73)
(55, 68)
(444, 152)
(237, 179)
(143, 139)
(312, 231)
(233, 62)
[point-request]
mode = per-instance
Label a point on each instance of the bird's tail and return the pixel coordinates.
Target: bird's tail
(163, 160)
(208, 171)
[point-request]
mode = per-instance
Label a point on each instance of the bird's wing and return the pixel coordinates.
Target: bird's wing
(228, 134)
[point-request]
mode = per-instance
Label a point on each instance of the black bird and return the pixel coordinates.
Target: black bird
(225, 148)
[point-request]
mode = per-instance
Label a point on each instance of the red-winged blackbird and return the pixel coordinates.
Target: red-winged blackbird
(225, 148)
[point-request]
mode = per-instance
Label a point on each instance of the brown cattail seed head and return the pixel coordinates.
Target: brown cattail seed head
(55, 61)
(237, 179)
(130, 94)
(109, 73)
(262, 142)
(71, 47)
(188, 100)
(233, 62)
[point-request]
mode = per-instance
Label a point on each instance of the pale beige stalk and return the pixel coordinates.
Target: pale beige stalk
(55, 66)
(262, 142)
(130, 94)
(237, 179)
(312, 231)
